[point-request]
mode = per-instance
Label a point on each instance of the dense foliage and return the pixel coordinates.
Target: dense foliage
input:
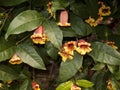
(59, 45)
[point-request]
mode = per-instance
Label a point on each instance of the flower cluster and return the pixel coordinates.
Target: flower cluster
(15, 59)
(35, 86)
(81, 46)
(39, 36)
(103, 11)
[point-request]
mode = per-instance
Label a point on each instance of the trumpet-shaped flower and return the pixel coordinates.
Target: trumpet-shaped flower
(69, 47)
(112, 44)
(75, 87)
(63, 19)
(15, 59)
(83, 47)
(91, 21)
(39, 36)
(67, 51)
(109, 85)
(35, 86)
(104, 10)
(1, 85)
(49, 5)
(65, 55)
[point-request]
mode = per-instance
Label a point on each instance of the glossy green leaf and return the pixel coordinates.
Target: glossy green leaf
(7, 49)
(7, 73)
(92, 7)
(65, 86)
(51, 50)
(115, 84)
(68, 32)
(29, 56)
(117, 74)
(79, 26)
(98, 66)
(113, 68)
(69, 68)
(25, 21)
(59, 5)
(99, 79)
(84, 83)
(26, 85)
(101, 52)
(80, 9)
(54, 33)
(11, 2)
(85, 9)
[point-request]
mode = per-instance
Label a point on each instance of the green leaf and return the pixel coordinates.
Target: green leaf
(54, 33)
(113, 68)
(117, 74)
(98, 66)
(59, 5)
(7, 73)
(26, 85)
(115, 83)
(104, 53)
(69, 68)
(99, 79)
(84, 83)
(80, 9)
(7, 49)
(85, 8)
(65, 86)
(25, 21)
(29, 56)
(51, 50)
(11, 2)
(92, 7)
(68, 32)
(79, 26)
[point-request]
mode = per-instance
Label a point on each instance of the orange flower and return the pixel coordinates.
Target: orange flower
(75, 87)
(112, 44)
(1, 86)
(109, 85)
(68, 50)
(65, 55)
(39, 36)
(15, 59)
(63, 19)
(91, 21)
(83, 47)
(49, 5)
(69, 47)
(104, 10)
(35, 86)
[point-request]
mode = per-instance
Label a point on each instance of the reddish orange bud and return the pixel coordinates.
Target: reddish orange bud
(64, 19)
(40, 29)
